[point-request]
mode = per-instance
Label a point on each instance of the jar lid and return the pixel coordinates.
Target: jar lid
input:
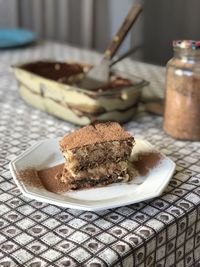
(186, 44)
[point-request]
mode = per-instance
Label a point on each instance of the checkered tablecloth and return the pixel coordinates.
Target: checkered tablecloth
(161, 232)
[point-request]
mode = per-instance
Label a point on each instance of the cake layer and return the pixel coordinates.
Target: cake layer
(107, 169)
(73, 183)
(95, 144)
(92, 156)
(87, 182)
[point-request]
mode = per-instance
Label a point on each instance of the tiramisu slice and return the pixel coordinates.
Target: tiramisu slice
(95, 155)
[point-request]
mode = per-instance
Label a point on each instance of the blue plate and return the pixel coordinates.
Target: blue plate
(15, 37)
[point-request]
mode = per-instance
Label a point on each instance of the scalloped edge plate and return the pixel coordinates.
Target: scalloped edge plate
(45, 154)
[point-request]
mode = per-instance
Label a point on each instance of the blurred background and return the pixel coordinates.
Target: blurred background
(92, 23)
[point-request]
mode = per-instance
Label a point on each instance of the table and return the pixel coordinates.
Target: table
(161, 232)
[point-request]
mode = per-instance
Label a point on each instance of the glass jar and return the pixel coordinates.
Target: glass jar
(182, 95)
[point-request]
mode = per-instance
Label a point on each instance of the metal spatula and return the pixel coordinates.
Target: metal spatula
(99, 75)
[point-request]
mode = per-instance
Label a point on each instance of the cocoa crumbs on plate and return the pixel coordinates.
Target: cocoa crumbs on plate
(45, 178)
(29, 177)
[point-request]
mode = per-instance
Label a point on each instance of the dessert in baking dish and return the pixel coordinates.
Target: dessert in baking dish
(51, 86)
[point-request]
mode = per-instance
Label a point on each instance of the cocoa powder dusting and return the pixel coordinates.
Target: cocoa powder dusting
(43, 179)
(68, 73)
(29, 177)
(54, 71)
(48, 179)
(145, 162)
(93, 134)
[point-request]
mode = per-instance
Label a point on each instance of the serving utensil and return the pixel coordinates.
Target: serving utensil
(99, 75)
(115, 60)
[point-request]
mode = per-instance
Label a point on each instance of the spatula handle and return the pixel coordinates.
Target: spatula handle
(122, 32)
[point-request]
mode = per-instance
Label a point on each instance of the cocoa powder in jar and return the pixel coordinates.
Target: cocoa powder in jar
(182, 97)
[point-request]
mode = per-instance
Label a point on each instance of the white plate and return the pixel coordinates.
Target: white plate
(46, 154)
